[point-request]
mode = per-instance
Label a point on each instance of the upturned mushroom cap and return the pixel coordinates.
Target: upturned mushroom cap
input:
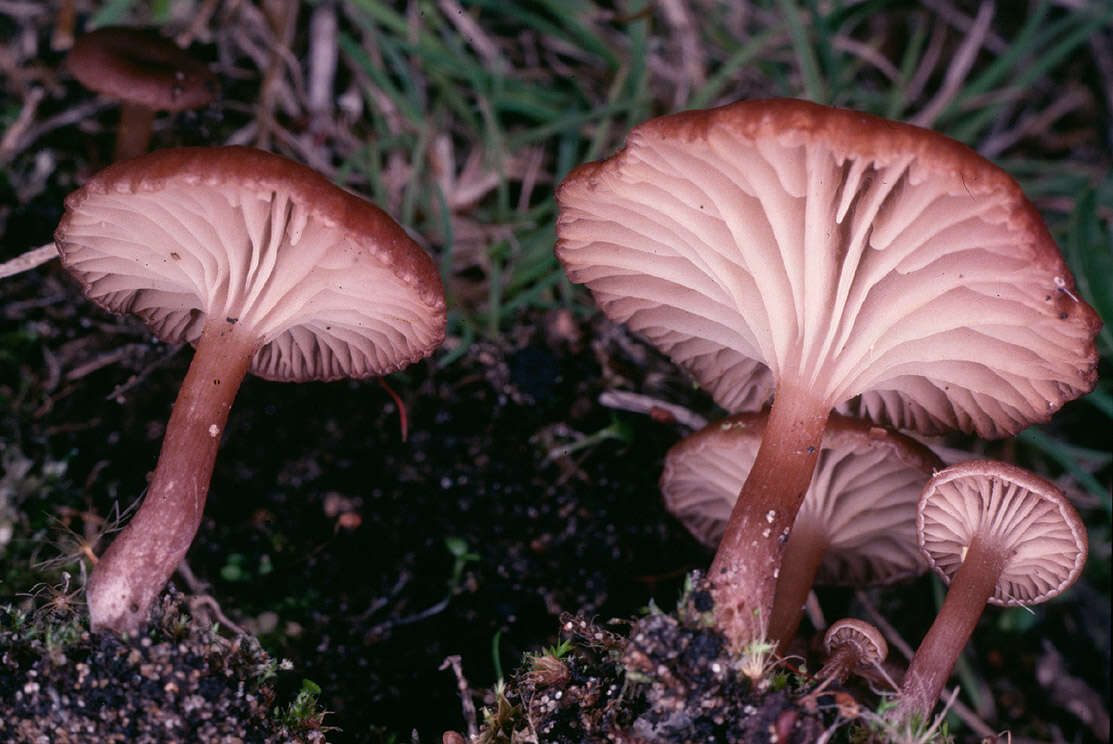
(852, 255)
(140, 66)
(1027, 519)
(868, 643)
(331, 285)
(996, 534)
(862, 497)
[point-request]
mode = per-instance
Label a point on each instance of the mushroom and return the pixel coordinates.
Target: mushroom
(996, 533)
(851, 644)
(143, 70)
(856, 525)
(850, 256)
(264, 266)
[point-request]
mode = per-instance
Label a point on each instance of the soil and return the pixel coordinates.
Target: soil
(179, 682)
(671, 679)
(366, 558)
(333, 539)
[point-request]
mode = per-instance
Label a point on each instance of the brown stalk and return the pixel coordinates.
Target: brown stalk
(746, 566)
(141, 559)
(970, 589)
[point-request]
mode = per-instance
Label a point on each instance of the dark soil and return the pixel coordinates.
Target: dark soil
(178, 682)
(333, 539)
(366, 559)
(670, 680)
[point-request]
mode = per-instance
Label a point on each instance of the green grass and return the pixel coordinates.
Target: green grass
(434, 81)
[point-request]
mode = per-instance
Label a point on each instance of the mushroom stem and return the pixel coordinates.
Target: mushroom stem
(971, 588)
(747, 563)
(133, 135)
(842, 661)
(802, 557)
(133, 570)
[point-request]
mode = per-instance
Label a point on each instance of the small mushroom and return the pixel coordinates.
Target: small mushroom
(856, 525)
(264, 266)
(146, 72)
(996, 533)
(847, 257)
(850, 644)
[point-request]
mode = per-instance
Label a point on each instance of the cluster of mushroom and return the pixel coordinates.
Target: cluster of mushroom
(880, 509)
(818, 258)
(781, 251)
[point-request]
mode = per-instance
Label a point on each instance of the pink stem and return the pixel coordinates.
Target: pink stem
(970, 589)
(744, 573)
(131, 573)
(802, 557)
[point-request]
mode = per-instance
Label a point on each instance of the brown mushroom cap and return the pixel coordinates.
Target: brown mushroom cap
(869, 645)
(140, 66)
(853, 255)
(329, 282)
(861, 499)
(1029, 520)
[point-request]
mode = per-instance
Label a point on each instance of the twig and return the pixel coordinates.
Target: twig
(926, 67)
(23, 11)
(815, 611)
(465, 695)
(9, 143)
(1071, 693)
(199, 596)
(1036, 124)
(207, 600)
(29, 260)
(103, 360)
(282, 29)
(200, 20)
(81, 112)
(637, 403)
(693, 56)
(959, 67)
(467, 27)
(955, 17)
(117, 393)
(868, 54)
(324, 51)
(434, 609)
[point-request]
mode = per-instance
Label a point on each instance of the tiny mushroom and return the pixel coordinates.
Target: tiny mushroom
(265, 267)
(847, 255)
(851, 644)
(996, 533)
(856, 525)
(146, 72)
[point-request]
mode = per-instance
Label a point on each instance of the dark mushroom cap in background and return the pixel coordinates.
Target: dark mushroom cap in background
(869, 644)
(331, 284)
(140, 66)
(1028, 518)
(862, 495)
(848, 254)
